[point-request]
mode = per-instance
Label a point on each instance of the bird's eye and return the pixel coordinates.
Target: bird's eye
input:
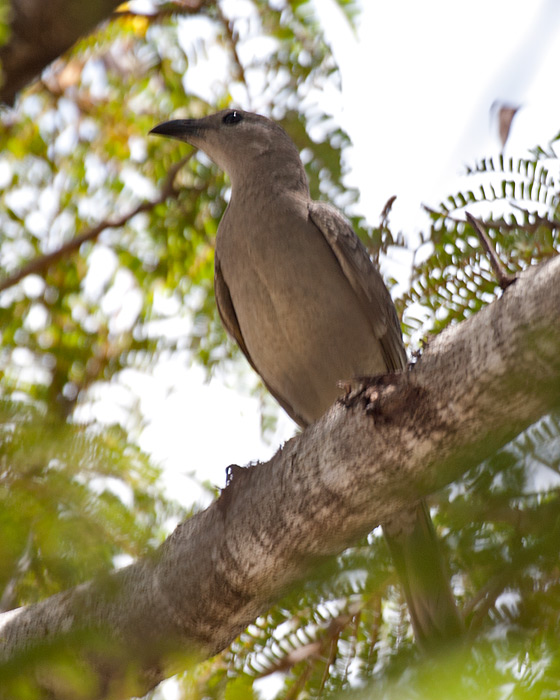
(233, 117)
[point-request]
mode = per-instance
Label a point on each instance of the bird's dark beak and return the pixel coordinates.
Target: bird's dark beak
(182, 129)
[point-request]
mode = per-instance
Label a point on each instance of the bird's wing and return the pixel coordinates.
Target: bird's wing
(365, 279)
(231, 324)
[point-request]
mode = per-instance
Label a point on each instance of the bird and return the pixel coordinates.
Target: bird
(299, 293)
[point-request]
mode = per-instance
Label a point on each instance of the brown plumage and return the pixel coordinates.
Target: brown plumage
(297, 290)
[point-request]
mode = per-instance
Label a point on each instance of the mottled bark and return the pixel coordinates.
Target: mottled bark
(382, 447)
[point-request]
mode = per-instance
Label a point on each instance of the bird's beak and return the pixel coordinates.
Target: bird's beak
(181, 129)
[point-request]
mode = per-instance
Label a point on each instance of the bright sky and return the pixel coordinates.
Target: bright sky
(417, 90)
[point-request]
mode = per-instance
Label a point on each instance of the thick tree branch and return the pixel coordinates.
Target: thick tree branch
(42, 31)
(388, 443)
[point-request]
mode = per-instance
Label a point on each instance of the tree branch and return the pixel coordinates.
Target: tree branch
(391, 441)
(42, 31)
(42, 263)
(174, 8)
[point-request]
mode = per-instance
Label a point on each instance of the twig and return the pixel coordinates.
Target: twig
(353, 644)
(232, 39)
(293, 692)
(9, 596)
(386, 211)
(42, 263)
(504, 278)
(332, 642)
(169, 10)
(375, 606)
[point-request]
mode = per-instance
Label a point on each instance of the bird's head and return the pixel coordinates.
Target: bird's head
(241, 143)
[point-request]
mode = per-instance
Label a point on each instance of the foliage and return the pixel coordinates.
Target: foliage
(73, 499)
(75, 159)
(519, 201)
(509, 668)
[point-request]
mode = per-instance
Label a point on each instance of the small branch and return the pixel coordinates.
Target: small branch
(9, 597)
(375, 606)
(175, 10)
(232, 39)
(503, 277)
(386, 211)
(485, 599)
(42, 263)
(293, 693)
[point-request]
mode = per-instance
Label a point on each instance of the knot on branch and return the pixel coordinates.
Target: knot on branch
(235, 475)
(384, 397)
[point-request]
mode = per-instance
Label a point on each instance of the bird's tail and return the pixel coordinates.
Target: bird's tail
(416, 553)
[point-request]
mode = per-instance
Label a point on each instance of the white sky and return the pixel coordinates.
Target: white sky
(417, 92)
(419, 88)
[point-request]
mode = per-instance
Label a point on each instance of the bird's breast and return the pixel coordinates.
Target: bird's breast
(299, 317)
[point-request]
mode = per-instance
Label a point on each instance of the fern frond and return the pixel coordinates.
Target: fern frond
(519, 202)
